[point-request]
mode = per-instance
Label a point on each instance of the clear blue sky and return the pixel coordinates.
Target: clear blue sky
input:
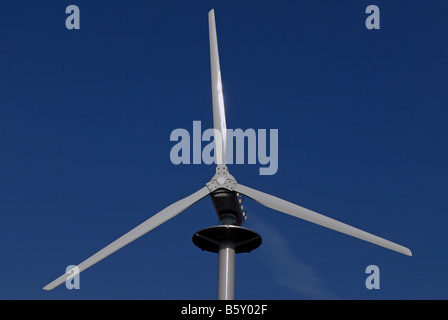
(86, 117)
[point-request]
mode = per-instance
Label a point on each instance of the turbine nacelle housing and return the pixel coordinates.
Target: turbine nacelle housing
(227, 202)
(228, 206)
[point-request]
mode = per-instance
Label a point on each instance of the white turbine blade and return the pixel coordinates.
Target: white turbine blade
(305, 214)
(219, 116)
(156, 220)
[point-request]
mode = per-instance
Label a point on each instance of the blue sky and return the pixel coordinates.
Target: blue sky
(85, 123)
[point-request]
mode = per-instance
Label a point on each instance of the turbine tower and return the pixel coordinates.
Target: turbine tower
(229, 237)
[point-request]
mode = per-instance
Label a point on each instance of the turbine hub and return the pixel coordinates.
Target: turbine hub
(222, 179)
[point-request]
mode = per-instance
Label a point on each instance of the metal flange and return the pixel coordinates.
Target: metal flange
(212, 238)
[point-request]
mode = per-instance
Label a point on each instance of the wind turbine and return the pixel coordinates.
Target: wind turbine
(229, 237)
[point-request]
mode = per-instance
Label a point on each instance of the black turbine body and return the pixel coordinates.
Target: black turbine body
(229, 207)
